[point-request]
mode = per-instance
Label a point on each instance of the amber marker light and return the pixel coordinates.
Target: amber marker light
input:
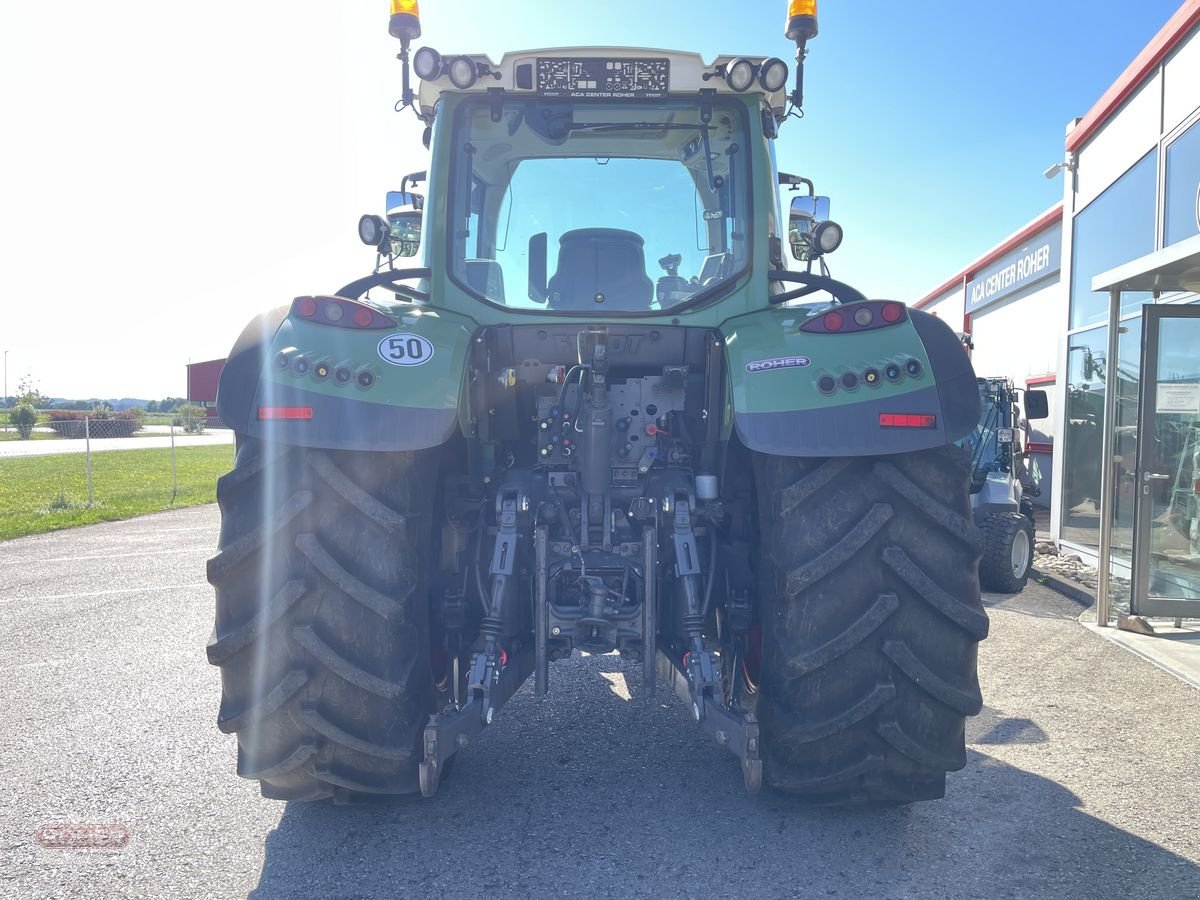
(802, 20)
(406, 20)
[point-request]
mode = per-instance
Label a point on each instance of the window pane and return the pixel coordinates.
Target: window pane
(640, 206)
(1183, 186)
(1114, 228)
(1087, 371)
(1129, 364)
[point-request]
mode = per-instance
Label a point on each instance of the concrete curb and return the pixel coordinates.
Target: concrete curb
(1069, 589)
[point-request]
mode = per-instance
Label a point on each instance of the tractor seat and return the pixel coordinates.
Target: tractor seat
(605, 263)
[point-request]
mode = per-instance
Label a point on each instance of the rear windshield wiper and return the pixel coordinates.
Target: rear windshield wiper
(702, 128)
(635, 126)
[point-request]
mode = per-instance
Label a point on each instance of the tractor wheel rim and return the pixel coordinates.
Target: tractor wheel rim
(1020, 554)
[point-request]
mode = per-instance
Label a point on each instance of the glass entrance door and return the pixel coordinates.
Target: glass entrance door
(1166, 557)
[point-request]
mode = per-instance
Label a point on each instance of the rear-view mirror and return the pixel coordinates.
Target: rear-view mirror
(1037, 405)
(806, 213)
(813, 209)
(398, 200)
(537, 268)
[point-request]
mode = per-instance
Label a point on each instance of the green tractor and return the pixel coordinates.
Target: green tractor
(738, 474)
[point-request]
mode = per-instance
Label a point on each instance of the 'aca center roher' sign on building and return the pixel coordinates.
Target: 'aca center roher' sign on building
(1027, 265)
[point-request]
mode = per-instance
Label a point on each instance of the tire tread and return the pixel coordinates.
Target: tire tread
(346, 695)
(871, 613)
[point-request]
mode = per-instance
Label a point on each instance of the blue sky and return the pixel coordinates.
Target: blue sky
(180, 168)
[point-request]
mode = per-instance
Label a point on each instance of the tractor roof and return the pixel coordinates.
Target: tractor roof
(603, 72)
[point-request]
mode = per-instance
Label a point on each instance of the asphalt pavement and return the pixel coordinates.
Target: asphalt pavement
(1082, 778)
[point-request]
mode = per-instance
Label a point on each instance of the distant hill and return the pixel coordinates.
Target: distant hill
(127, 403)
(117, 404)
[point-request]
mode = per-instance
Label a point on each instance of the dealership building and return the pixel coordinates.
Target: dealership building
(1097, 301)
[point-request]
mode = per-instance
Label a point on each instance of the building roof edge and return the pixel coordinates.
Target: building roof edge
(1041, 223)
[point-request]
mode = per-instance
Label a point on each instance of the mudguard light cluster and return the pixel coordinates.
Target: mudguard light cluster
(339, 312)
(857, 317)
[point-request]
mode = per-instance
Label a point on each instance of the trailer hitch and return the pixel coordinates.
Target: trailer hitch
(453, 730)
(732, 729)
(495, 675)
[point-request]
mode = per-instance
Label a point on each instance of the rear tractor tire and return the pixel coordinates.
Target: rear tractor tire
(322, 626)
(871, 617)
(1007, 553)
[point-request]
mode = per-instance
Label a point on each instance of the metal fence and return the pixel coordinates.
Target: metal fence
(100, 461)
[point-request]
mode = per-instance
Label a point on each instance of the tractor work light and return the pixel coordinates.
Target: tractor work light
(427, 64)
(372, 230)
(739, 75)
(802, 20)
(773, 75)
(827, 236)
(463, 72)
(406, 20)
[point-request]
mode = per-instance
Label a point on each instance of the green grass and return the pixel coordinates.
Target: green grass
(46, 493)
(10, 434)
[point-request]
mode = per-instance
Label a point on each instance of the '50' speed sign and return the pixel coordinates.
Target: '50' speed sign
(405, 350)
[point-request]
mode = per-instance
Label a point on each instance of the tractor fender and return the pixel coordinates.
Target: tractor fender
(776, 373)
(297, 382)
(239, 377)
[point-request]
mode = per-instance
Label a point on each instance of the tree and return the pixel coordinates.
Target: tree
(191, 419)
(24, 417)
(27, 392)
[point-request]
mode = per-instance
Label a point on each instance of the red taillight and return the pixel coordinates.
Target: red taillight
(340, 313)
(285, 412)
(866, 315)
(907, 420)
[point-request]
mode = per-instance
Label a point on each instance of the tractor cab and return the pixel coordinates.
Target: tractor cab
(601, 180)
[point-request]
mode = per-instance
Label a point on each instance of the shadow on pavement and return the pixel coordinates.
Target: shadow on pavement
(589, 794)
(1036, 601)
(993, 727)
